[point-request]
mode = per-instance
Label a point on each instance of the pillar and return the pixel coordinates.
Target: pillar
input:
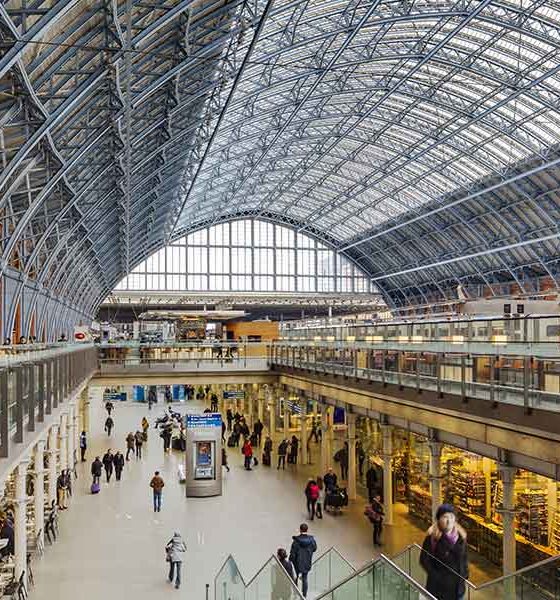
(20, 525)
(387, 456)
(39, 492)
(304, 434)
(63, 437)
(487, 470)
(70, 439)
(325, 456)
(272, 407)
(507, 475)
(52, 463)
(351, 439)
(260, 409)
(435, 474)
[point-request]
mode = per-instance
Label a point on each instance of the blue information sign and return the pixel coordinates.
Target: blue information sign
(234, 395)
(204, 421)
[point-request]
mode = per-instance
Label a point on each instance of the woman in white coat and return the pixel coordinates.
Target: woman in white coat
(174, 548)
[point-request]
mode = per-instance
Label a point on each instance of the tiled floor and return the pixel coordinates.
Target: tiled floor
(111, 545)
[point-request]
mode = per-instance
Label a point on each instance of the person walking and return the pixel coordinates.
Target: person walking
(152, 398)
(138, 441)
(374, 481)
(118, 462)
(341, 457)
(281, 585)
(109, 407)
(61, 490)
(282, 556)
(444, 556)
(157, 484)
(282, 450)
(375, 512)
(267, 451)
(229, 418)
(312, 495)
(174, 548)
(108, 464)
(330, 480)
(109, 424)
(223, 432)
(247, 452)
(130, 439)
(301, 555)
(166, 436)
(294, 448)
(360, 457)
(83, 445)
(96, 470)
(258, 429)
(145, 427)
(225, 460)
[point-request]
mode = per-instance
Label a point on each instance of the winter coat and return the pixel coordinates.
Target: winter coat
(175, 547)
(130, 441)
(312, 491)
(288, 567)
(96, 468)
(109, 423)
(330, 480)
(301, 552)
(444, 561)
(138, 438)
(247, 450)
(83, 440)
(108, 461)
(282, 449)
(373, 478)
(118, 461)
(157, 483)
(267, 449)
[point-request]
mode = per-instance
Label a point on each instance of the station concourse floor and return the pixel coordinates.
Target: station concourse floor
(112, 545)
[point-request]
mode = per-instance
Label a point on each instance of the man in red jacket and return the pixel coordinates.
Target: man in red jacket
(247, 452)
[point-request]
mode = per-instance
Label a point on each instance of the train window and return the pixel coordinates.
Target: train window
(552, 330)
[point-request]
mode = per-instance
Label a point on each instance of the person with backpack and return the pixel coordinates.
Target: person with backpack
(118, 462)
(157, 484)
(96, 470)
(109, 424)
(108, 464)
(375, 512)
(138, 441)
(247, 452)
(312, 495)
(83, 445)
(301, 555)
(282, 451)
(129, 444)
(173, 550)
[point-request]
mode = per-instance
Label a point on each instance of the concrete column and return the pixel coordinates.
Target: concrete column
(70, 439)
(507, 475)
(304, 434)
(63, 441)
(325, 456)
(435, 475)
(351, 439)
(272, 431)
(39, 491)
(52, 463)
(286, 419)
(387, 455)
(20, 525)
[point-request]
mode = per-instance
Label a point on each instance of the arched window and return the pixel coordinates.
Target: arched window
(247, 256)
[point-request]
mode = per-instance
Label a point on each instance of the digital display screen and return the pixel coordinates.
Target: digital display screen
(204, 460)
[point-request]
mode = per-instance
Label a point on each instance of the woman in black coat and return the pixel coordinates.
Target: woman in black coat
(444, 556)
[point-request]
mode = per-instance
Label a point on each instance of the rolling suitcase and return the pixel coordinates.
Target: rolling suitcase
(231, 441)
(95, 488)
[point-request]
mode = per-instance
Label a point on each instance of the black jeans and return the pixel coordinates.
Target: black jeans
(248, 462)
(282, 461)
(377, 528)
(344, 472)
(175, 567)
(118, 473)
(304, 584)
(108, 472)
(138, 450)
(311, 508)
(319, 510)
(128, 451)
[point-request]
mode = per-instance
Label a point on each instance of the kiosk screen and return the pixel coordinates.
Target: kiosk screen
(204, 460)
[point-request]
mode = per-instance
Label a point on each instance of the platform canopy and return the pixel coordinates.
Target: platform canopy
(417, 138)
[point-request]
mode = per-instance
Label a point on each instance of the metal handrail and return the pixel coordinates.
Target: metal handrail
(371, 564)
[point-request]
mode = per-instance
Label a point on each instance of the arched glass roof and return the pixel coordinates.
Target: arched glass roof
(419, 138)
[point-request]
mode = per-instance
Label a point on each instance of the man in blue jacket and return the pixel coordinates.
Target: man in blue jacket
(301, 555)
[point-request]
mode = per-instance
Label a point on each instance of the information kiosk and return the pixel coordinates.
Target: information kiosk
(203, 468)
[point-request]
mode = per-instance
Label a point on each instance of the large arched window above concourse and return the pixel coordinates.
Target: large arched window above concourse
(247, 256)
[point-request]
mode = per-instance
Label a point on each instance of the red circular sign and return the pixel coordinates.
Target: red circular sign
(80, 335)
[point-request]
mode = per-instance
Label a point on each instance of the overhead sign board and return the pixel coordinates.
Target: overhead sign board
(234, 395)
(204, 421)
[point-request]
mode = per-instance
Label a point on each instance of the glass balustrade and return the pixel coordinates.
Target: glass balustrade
(330, 568)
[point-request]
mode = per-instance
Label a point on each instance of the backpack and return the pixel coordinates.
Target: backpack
(314, 491)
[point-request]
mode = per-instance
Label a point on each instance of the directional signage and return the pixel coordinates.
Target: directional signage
(204, 421)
